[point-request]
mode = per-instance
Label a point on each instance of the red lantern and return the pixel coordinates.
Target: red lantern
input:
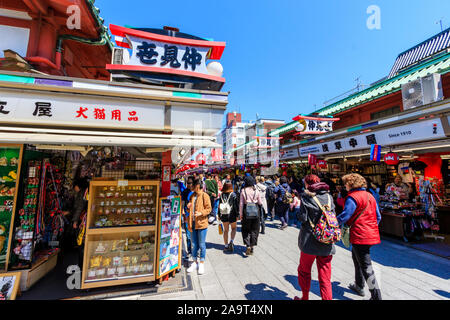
(201, 159)
(322, 164)
(391, 159)
(192, 164)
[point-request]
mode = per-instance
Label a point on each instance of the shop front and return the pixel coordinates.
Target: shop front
(413, 146)
(124, 140)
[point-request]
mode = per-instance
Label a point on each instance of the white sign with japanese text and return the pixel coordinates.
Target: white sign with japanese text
(289, 153)
(78, 111)
(309, 126)
(414, 132)
(151, 53)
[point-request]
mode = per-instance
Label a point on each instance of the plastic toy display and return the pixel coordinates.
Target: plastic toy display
(119, 256)
(116, 206)
(121, 233)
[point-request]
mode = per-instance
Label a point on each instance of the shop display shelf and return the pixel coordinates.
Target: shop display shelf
(119, 229)
(136, 227)
(133, 276)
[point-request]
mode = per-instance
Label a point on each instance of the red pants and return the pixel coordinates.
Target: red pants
(304, 275)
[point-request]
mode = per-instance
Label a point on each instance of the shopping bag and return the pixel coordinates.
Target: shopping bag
(345, 236)
(220, 228)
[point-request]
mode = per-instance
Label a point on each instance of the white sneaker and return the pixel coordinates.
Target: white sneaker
(193, 267)
(201, 268)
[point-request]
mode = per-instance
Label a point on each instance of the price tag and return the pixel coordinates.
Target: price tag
(32, 172)
(122, 183)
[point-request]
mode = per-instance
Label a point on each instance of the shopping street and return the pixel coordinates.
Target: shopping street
(404, 273)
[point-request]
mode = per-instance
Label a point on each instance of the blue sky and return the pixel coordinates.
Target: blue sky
(285, 57)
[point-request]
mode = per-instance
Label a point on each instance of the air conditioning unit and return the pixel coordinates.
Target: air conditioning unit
(422, 91)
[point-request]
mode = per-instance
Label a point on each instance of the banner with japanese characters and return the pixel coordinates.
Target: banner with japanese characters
(313, 125)
(169, 56)
(78, 111)
(414, 132)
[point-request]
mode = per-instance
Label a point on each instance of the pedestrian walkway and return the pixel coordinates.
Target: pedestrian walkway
(271, 273)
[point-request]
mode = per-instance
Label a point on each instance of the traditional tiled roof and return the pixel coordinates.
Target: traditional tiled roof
(440, 64)
(96, 14)
(424, 50)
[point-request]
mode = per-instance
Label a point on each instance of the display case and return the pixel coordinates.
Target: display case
(121, 233)
(10, 166)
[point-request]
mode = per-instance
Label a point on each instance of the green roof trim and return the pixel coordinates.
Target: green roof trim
(439, 65)
(100, 21)
(283, 129)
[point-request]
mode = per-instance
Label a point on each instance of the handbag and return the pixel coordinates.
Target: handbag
(345, 230)
(251, 209)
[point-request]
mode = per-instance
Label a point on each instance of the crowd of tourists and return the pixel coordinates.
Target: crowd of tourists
(323, 211)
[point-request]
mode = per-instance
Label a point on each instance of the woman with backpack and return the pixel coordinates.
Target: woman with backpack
(315, 199)
(228, 213)
(362, 215)
(249, 212)
(282, 202)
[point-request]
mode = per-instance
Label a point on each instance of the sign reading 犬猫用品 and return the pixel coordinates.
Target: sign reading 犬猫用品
(80, 111)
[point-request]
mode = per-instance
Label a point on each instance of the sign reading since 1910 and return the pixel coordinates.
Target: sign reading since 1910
(414, 132)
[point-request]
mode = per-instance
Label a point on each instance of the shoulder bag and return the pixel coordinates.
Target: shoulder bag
(345, 231)
(251, 209)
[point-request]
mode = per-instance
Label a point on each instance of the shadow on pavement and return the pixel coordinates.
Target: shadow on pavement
(338, 291)
(262, 291)
(387, 257)
(238, 249)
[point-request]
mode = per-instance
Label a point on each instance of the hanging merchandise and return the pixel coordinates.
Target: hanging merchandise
(24, 232)
(10, 166)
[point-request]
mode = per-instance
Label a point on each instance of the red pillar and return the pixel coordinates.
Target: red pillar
(166, 166)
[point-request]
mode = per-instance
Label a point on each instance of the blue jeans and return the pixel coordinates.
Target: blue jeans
(198, 238)
(293, 217)
(215, 208)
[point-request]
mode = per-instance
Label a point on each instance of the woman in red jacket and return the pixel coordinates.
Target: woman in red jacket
(362, 215)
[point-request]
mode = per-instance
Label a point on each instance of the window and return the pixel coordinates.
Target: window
(385, 113)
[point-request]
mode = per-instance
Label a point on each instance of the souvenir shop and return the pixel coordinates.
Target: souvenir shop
(415, 207)
(130, 229)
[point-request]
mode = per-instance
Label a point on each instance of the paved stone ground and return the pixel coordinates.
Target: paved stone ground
(271, 273)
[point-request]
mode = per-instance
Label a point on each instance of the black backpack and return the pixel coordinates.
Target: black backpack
(270, 195)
